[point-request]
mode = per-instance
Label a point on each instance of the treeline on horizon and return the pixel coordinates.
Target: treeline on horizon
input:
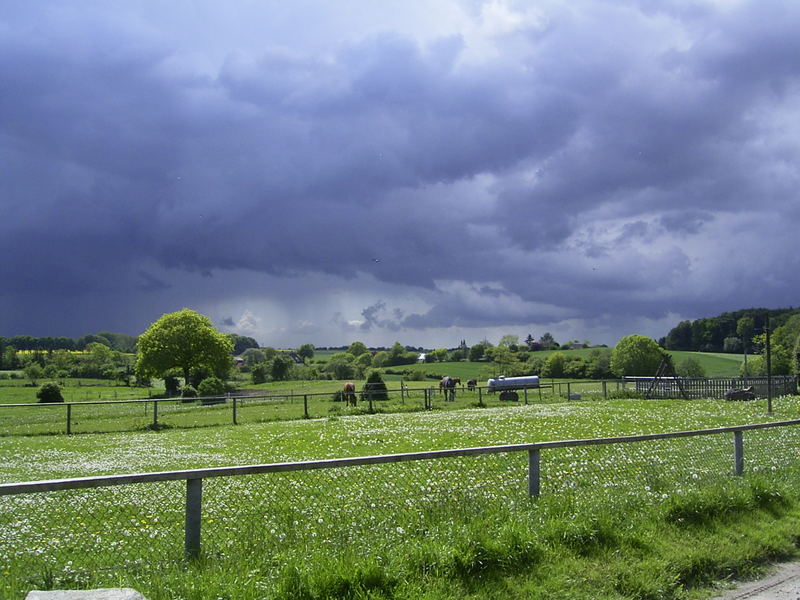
(722, 333)
(119, 342)
(729, 332)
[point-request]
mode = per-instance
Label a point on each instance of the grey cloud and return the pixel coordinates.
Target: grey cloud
(123, 167)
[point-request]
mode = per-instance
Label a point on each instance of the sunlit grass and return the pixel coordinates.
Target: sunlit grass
(446, 529)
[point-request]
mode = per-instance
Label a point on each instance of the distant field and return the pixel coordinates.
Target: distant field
(76, 390)
(716, 364)
(19, 391)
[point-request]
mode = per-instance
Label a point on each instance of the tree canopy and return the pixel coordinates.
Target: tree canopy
(184, 340)
(636, 355)
(709, 334)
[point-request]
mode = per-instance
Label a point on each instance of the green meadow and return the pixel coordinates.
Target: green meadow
(664, 519)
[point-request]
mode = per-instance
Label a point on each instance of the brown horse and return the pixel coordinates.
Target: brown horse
(472, 384)
(349, 393)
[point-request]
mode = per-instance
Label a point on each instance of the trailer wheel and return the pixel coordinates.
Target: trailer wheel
(509, 396)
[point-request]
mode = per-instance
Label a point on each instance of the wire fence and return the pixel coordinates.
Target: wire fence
(258, 406)
(99, 416)
(64, 529)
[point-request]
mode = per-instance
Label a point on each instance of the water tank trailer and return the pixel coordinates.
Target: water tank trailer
(507, 385)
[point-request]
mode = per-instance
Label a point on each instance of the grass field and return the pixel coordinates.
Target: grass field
(662, 520)
(278, 401)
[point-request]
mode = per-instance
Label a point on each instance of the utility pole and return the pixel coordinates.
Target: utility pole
(769, 370)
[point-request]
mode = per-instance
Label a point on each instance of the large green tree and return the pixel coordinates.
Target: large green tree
(636, 355)
(184, 340)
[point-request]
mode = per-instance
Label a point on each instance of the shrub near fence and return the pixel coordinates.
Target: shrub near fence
(63, 530)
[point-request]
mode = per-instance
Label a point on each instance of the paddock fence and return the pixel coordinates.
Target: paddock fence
(258, 406)
(254, 406)
(713, 387)
(62, 528)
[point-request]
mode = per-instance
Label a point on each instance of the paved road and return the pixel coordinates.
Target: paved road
(782, 584)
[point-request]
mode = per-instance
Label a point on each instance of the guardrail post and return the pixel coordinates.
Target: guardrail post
(69, 419)
(194, 503)
(533, 472)
(738, 453)
(525, 391)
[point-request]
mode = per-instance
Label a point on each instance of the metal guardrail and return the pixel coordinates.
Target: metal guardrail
(194, 477)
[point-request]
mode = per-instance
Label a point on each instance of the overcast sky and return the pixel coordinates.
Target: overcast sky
(415, 171)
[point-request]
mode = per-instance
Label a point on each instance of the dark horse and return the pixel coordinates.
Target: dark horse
(472, 384)
(448, 386)
(349, 393)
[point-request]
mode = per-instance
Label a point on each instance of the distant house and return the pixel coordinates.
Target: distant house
(238, 361)
(421, 357)
(577, 346)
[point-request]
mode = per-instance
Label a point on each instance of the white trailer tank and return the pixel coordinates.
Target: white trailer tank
(513, 383)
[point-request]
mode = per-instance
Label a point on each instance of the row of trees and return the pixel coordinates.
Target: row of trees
(120, 342)
(98, 361)
(729, 332)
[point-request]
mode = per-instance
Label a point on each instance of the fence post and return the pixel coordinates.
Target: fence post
(305, 406)
(480, 397)
(738, 453)
(533, 472)
(194, 502)
(155, 414)
(235, 421)
(569, 391)
(69, 419)
(525, 391)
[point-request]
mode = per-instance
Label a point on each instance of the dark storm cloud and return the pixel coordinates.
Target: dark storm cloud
(562, 167)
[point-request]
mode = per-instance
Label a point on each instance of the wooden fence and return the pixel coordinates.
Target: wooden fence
(713, 387)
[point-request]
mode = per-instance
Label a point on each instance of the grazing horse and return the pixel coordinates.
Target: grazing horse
(472, 384)
(349, 393)
(448, 386)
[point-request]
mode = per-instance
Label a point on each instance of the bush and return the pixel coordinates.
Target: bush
(636, 355)
(375, 388)
(690, 367)
(211, 386)
(50, 392)
(189, 392)
(260, 373)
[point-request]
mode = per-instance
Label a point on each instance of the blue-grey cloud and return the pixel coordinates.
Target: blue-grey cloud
(593, 163)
